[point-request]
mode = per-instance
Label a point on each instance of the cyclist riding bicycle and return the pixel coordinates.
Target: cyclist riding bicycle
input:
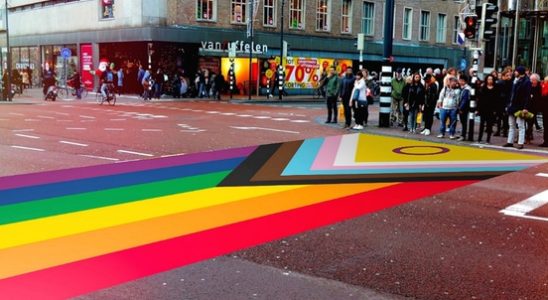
(107, 84)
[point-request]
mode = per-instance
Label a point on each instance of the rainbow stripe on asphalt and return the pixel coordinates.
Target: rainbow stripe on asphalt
(71, 232)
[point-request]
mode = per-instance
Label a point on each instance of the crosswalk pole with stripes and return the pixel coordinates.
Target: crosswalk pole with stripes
(385, 99)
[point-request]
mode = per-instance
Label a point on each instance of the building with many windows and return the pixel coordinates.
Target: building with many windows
(194, 34)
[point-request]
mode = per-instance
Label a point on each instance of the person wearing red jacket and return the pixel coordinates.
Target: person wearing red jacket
(543, 108)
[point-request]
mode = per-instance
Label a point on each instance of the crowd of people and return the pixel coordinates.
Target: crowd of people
(507, 103)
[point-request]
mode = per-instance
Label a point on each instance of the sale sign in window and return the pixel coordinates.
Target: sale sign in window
(306, 72)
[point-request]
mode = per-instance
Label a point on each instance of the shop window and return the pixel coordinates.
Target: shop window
(205, 10)
(107, 9)
(296, 14)
(368, 20)
(407, 23)
(441, 28)
(346, 16)
(425, 26)
(238, 9)
(322, 15)
(269, 13)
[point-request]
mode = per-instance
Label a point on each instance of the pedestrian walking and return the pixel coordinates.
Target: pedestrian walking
(504, 86)
(398, 83)
(332, 90)
(359, 101)
(543, 108)
(464, 105)
(448, 105)
(414, 100)
(120, 83)
(405, 109)
(345, 95)
(534, 106)
(430, 100)
(518, 108)
(487, 107)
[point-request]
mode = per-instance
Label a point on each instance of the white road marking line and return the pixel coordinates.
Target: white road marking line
(527, 205)
(28, 148)
(32, 120)
(15, 114)
(228, 114)
(280, 119)
(213, 112)
(73, 143)
(4, 119)
(262, 128)
(135, 153)
(299, 121)
(22, 130)
(152, 130)
(46, 117)
(86, 117)
(76, 128)
(27, 136)
(542, 175)
(171, 155)
(114, 129)
(509, 148)
(262, 117)
(99, 157)
(244, 116)
(61, 113)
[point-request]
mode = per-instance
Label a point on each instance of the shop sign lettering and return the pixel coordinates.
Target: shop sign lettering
(238, 46)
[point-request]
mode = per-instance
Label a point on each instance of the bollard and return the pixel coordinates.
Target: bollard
(385, 99)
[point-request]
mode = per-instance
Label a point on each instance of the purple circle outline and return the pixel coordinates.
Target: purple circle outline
(400, 150)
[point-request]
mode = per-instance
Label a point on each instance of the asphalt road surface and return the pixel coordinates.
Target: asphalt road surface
(488, 240)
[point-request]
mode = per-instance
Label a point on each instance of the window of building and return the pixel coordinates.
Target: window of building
(205, 10)
(346, 16)
(269, 13)
(296, 14)
(425, 26)
(441, 28)
(456, 29)
(407, 23)
(107, 9)
(368, 21)
(238, 9)
(322, 15)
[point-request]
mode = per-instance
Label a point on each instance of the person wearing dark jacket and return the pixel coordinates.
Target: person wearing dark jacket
(518, 108)
(505, 90)
(487, 105)
(414, 101)
(464, 105)
(533, 106)
(345, 93)
(332, 90)
(431, 99)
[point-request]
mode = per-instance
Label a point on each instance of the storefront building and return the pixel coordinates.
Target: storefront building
(186, 36)
(531, 49)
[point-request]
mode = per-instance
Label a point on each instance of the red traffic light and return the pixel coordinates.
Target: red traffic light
(470, 26)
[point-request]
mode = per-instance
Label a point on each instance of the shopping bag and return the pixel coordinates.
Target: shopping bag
(341, 111)
(419, 117)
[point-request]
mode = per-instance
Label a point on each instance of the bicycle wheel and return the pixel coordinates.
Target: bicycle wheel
(63, 93)
(112, 100)
(84, 93)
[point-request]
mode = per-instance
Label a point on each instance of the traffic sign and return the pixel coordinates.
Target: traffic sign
(66, 53)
